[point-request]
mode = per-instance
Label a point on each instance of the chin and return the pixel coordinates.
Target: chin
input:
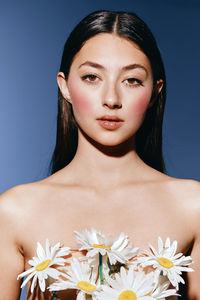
(115, 146)
(114, 139)
(109, 140)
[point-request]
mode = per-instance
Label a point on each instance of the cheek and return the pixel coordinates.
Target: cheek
(139, 106)
(81, 102)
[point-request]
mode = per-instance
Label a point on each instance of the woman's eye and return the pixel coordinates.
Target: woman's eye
(133, 82)
(90, 78)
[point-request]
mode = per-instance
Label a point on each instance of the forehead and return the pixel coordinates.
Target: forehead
(109, 48)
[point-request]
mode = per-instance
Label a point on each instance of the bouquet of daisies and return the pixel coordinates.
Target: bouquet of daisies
(111, 269)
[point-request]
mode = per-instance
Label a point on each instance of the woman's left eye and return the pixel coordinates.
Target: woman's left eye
(133, 82)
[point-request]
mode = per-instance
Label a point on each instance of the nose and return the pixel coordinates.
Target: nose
(111, 97)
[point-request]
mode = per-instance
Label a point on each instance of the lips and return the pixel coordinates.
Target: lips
(110, 122)
(110, 118)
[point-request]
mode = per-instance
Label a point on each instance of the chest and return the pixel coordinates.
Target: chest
(141, 215)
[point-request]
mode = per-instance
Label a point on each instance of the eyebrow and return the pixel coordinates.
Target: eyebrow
(125, 68)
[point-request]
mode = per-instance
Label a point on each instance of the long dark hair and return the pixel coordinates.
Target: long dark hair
(149, 135)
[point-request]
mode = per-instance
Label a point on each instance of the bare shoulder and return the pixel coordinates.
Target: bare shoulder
(25, 200)
(187, 197)
(11, 200)
(16, 202)
(192, 202)
(186, 189)
(18, 196)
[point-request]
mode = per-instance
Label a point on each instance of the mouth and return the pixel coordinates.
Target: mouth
(110, 122)
(110, 118)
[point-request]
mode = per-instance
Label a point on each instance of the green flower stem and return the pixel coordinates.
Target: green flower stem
(101, 269)
(54, 295)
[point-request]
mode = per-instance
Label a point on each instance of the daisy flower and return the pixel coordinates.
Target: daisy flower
(79, 277)
(160, 290)
(127, 285)
(42, 266)
(166, 262)
(117, 249)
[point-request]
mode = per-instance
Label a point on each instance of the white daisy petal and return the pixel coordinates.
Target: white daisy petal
(32, 262)
(42, 285)
(80, 296)
(117, 249)
(79, 277)
(154, 250)
(36, 260)
(63, 252)
(95, 234)
(48, 253)
(40, 252)
(128, 283)
(33, 284)
(92, 252)
(58, 261)
(25, 273)
(54, 250)
(178, 255)
(173, 248)
(167, 242)
(166, 261)
(27, 279)
(42, 265)
(160, 244)
(119, 241)
(53, 273)
(161, 291)
(62, 285)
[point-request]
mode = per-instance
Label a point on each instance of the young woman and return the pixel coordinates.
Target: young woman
(108, 170)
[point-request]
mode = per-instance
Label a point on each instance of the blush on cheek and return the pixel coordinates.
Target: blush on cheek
(80, 102)
(139, 106)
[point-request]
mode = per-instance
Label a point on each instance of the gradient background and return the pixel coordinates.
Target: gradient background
(33, 34)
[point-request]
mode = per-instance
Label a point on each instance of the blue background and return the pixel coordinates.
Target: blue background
(32, 39)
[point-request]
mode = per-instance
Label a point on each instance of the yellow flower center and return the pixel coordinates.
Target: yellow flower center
(43, 265)
(86, 286)
(101, 246)
(127, 295)
(165, 262)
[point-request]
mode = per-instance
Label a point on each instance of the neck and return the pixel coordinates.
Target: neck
(98, 165)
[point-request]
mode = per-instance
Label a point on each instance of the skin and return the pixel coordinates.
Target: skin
(106, 185)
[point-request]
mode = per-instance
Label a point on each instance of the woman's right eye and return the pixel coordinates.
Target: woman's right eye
(90, 78)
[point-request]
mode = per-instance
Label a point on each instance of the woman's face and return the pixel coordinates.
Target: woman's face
(110, 86)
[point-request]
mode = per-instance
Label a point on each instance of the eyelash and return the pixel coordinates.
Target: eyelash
(89, 76)
(85, 77)
(139, 82)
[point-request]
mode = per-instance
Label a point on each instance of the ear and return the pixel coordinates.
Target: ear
(62, 83)
(156, 91)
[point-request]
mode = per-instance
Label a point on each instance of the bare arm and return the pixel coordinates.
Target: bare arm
(11, 257)
(193, 279)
